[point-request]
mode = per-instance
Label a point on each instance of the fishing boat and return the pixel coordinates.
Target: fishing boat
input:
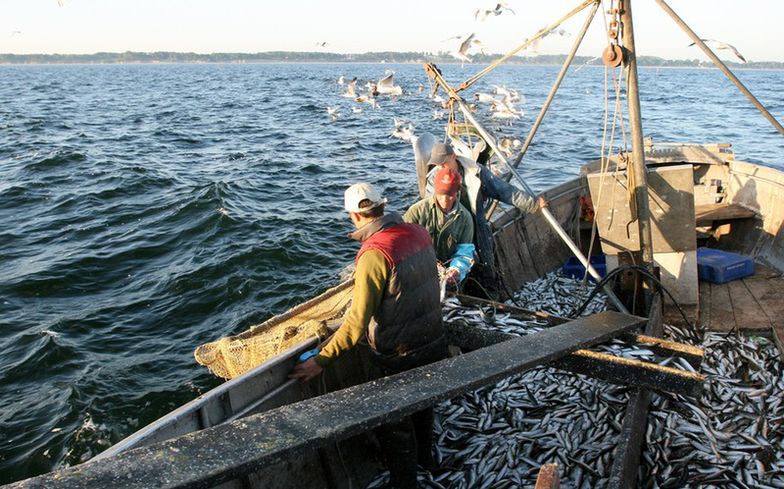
(664, 206)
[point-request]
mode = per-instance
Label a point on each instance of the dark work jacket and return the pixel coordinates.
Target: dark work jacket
(408, 330)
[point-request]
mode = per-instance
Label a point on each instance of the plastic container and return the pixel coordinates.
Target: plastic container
(573, 268)
(718, 267)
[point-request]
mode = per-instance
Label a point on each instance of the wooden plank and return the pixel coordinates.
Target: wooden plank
(749, 314)
(222, 453)
(722, 313)
(705, 214)
(623, 473)
(548, 477)
(627, 371)
(768, 294)
(665, 348)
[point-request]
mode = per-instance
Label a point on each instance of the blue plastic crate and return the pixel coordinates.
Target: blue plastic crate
(573, 268)
(719, 266)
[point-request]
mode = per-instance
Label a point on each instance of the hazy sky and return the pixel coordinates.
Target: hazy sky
(206, 26)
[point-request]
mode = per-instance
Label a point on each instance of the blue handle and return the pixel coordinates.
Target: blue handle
(308, 354)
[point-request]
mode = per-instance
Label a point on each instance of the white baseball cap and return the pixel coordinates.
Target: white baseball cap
(359, 192)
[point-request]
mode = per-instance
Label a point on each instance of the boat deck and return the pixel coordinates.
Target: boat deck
(754, 304)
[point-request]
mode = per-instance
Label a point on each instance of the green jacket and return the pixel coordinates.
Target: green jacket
(446, 231)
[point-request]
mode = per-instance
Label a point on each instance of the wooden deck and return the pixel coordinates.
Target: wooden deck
(752, 305)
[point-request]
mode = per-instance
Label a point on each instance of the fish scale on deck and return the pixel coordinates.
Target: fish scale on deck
(500, 436)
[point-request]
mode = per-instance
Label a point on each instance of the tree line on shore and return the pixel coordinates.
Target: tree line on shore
(323, 57)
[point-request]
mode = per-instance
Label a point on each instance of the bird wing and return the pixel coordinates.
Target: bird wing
(386, 81)
(736, 52)
(466, 45)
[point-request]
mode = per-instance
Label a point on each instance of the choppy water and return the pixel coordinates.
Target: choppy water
(146, 209)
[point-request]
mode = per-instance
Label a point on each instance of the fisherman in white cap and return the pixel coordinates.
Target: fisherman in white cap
(396, 285)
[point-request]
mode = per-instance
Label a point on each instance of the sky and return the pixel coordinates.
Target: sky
(348, 26)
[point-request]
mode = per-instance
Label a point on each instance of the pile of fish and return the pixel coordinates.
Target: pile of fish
(500, 436)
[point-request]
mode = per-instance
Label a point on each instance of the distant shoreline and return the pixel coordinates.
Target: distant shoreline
(165, 57)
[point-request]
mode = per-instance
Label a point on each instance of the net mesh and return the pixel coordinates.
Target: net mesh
(232, 356)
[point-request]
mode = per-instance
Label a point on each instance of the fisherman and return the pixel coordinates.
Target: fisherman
(479, 185)
(449, 223)
(396, 285)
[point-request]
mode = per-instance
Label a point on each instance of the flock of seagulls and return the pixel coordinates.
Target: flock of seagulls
(482, 14)
(385, 86)
(502, 102)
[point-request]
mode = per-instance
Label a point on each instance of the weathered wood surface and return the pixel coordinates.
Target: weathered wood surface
(705, 214)
(623, 473)
(225, 452)
(548, 477)
(722, 313)
(603, 366)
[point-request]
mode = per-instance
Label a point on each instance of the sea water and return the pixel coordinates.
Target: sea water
(147, 209)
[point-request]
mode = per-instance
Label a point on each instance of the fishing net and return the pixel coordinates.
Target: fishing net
(232, 356)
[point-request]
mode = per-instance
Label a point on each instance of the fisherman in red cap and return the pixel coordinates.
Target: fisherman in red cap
(479, 186)
(449, 223)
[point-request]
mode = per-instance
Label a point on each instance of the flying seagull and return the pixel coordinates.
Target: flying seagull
(722, 45)
(481, 14)
(465, 46)
(387, 85)
(322, 44)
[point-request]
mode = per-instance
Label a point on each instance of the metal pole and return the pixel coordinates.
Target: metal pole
(539, 35)
(694, 37)
(637, 163)
(545, 211)
(550, 96)
(556, 85)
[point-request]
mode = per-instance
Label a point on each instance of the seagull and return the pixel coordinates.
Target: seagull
(498, 10)
(485, 98)
(333, 113)
(387, 85)
(369, 100)
(722, 45)
(509, 95)
(534, 46)
(356, 110)
(403, 133)
(350, 89)
(506, 144)
(322, 44)
(465, 46)
(341, 81)
(438, 114)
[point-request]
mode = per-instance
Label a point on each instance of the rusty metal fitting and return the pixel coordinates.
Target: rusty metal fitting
(612, 56)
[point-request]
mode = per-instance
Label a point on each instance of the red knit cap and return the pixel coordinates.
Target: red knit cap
(447, 181)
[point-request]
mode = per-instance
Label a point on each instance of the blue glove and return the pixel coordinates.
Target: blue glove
(310, 353)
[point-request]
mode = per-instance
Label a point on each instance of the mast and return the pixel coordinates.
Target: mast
(636, 167)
